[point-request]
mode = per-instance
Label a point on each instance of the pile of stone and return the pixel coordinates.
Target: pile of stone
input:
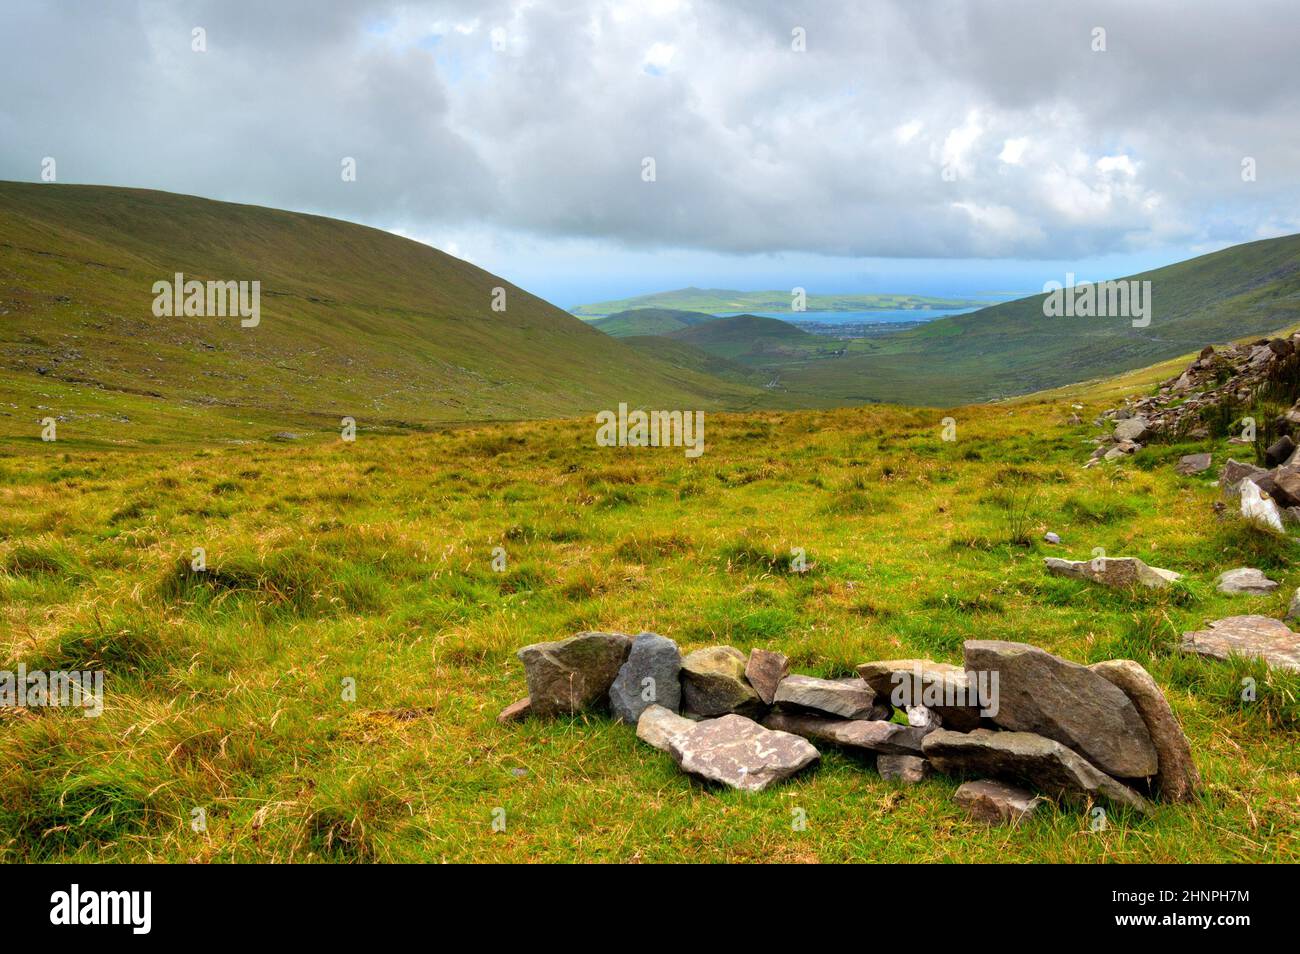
(1230, 375)
(1013, 715)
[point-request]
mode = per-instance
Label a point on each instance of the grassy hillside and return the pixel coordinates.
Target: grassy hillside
(648, 321)
(372, 562)
(355, 321)
(752, 338)
(1008, 349)
(714, 300)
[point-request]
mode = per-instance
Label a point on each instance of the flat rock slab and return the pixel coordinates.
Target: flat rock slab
(714, 683)
(940, 687)
(1177, 779)
(1245, 580)
(1191, 464)
(765, 670)
(1253, 636)
(739, 752)
(573, 674)
(650, 676)
(909, 769)
(1025, 757)
(1112, 571)
(996, 803)
(864, 734)
(658, 726)
(1041, 693)
(848, 700)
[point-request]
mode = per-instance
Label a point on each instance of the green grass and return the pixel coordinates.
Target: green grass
(372, 561)
(713, 300)
(648, 321)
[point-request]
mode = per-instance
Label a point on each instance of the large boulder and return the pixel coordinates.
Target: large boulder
(1026, 757)
(658, 726)
(1177, 778)
(1233, 473)
(1282, 484)
(1041, 693)
(650, 676)
(1280, 451)
(865, 735)
(1251, 636)
(848, 700)
(739, 752)
(1112, 571)
(573, 674)
(1245, 580)
(714, 683)
(996, 803)
(1133, 429)
(765, 669)
(940, 687)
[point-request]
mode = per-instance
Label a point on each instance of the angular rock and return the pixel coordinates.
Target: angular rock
(1041, 693)
(658, 726)
(868, 735)
(996, 803)
(1282, 484)
(940, 687)
(516, 711)
(902, 768)
(652, 669)
(1258, 507)
(1133, 429)
(1280, 451)
(1245, 580)
(1112, 571)
(739, 752)
(1233, 473)
(714, 683)
(572, 674)
(1252, 636)
(846, 700)
(1177, 778)
(765, 670)
(1030, 758)
(1051, 537)
(1191, 464)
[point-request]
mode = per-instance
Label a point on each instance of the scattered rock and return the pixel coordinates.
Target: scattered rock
(658, 726)
(1282, 484)
(652, 670)
(940, 687)
(714, 683)
(1177, 778)
(1280, 451)
(868, 735)
(1033, 759)
(737, 751)
(1233, 473)
(848, 700)
(1112, 571)
(765, 670)
(1253, 636)
(516, 711)
(1051, 537)
(1190, 464)
(996, 803)
(1133, 429)
(909, 769)
(1245, 580)
(1061, 700)
(570, 675)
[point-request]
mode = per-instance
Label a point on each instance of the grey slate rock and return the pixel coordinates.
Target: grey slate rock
(737, 751)
(848, 700)
(653, 657)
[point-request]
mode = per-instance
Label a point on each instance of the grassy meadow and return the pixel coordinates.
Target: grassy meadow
(372, 561)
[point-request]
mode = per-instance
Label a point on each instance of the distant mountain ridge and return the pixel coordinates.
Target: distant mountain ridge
(722, 300)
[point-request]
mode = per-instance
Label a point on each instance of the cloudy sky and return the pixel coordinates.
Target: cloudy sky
(918, 145)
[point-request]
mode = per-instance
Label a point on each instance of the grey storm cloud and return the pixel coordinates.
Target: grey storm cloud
(936, 129)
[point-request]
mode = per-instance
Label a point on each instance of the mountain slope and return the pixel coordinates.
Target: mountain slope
(1012, 348)
(354, 321)
(648, 321)
(725, 300)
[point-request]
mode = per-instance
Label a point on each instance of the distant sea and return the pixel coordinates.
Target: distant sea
(857, 317)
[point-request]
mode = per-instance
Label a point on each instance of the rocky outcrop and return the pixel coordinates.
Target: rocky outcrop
(1176, 777)
(650, 676)
(573, 674)
(1030, 758)
(1251, 636)
(1041, 693)
(738, 752)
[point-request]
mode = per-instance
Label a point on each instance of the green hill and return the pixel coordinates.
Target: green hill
(715, 300)
(751, 338)
(354, 321)
(1012, 348)
(648, 321)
